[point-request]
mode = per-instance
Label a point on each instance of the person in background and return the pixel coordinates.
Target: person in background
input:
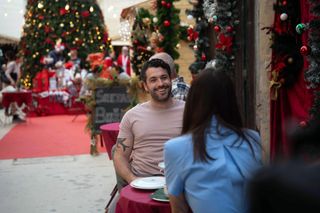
(124, 60)
(12, 69)
(179, 88)
(207, 168)
(12, 74)
(146, 127)
(76, 62)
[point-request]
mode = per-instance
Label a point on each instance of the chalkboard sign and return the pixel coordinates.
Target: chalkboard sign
(111, 103)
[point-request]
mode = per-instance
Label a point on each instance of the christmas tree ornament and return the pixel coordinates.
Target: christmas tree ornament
(163, 3)
(284, 3)
(215, 18)
(166, 23)
(189, 17)
(283, 16)
(229, 29)
(304, 50)
(168, 5)
(303, 124)
(155, 20)
(300, 28)
(203, 57)
(216, 28)
(195, 47)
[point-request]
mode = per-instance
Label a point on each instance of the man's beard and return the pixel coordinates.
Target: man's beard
(161, 98)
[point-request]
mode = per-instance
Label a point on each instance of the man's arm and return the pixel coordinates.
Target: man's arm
(178, 204)
(121, 159)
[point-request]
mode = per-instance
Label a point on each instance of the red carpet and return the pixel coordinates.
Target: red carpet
(46, 136)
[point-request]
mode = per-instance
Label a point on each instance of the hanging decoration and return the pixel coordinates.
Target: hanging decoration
(312, 74)
(224, 15)
(287, 48)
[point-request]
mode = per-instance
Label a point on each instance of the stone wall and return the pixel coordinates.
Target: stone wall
(264, 18)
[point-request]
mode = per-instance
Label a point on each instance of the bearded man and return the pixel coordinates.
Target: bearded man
(145, 128)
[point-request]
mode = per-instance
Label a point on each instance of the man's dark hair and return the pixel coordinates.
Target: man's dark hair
(154, 63)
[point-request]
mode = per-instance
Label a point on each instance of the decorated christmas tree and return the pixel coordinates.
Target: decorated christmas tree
(78, 24)
(168, 25)
(143, 39)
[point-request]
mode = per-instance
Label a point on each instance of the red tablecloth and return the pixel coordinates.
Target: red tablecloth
(109, 134)
(138, 201)
(19, 97)
(49, 106)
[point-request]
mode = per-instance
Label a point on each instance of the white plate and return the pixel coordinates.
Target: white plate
(155, 182)
(161, 165)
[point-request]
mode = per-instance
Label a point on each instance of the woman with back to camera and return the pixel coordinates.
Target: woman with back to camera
(207, 168)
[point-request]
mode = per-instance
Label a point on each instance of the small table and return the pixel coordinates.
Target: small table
(109, 134)
(136, 201)
(18, 97)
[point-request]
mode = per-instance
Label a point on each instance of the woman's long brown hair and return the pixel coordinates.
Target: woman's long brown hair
(211, 93)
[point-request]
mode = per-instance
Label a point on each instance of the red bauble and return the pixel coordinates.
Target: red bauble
(40, 17)
(166, 23)
(304, 50)
(168, 5)
(85, 14)
(217, 28)
(135, 42)
(63, 11)
(303, 124)
(203, 57)
(229, 29)
(163, 3)
(284, 3)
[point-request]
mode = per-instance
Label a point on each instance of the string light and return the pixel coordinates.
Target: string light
(91, 9)
(124, 31)
(40, 5)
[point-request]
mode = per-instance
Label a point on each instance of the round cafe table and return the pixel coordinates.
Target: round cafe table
(138, 201)
(109, 134)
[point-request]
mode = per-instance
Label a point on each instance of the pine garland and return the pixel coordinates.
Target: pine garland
(198, 37)
(312, 74)
(225, 21)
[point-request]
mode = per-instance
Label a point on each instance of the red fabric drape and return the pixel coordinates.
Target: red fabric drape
(292, 105)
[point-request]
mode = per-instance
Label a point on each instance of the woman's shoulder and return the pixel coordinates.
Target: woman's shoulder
(178, 143)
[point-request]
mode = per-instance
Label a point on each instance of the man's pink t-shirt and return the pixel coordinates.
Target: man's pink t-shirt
(150, 128)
